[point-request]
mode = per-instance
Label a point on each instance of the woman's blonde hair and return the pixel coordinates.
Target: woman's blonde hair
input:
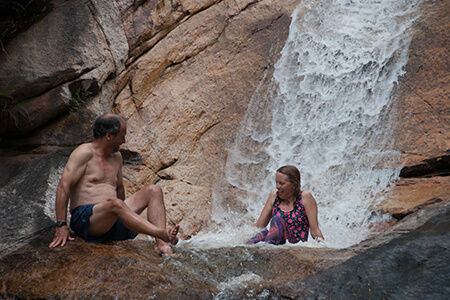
(293, 175)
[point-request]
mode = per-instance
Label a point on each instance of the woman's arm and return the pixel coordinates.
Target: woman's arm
(266, 213)
(311, 212)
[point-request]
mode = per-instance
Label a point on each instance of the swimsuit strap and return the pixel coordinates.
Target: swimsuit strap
(298, 201)
(297, 204)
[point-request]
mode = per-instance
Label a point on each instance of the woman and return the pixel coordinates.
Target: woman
(291, 212)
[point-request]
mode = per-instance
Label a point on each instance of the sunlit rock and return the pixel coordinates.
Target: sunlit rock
(183, 74)
(188, 93)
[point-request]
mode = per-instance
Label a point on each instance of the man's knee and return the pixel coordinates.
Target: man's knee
(117, 205)
(153, 189)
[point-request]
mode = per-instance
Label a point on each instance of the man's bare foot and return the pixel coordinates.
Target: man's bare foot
(165, 250)
(162, 248)
(172, 235)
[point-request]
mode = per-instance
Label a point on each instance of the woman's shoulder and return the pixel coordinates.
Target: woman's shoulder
(307, 197)
(306, 194)
(272, 197)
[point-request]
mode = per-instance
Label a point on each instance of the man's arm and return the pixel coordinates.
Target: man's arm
(120, 188)
(73, 171)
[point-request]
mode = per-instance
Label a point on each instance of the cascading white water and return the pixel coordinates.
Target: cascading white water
(322, 112)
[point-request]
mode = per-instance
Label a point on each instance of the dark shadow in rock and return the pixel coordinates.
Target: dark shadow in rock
(411, 266)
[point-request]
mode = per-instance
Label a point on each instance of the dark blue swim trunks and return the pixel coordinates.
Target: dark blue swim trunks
(79, 223)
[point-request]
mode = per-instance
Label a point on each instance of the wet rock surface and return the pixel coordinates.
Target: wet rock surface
(421, 99)
(24, 192)
(206, 82)
(411, 266)
(419, 186)
(408, 260)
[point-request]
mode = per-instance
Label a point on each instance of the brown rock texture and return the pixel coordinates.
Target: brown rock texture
(421, 102)
(183, 73)
(131, 269)
(187, 95)
(422, 97)
(412, 194)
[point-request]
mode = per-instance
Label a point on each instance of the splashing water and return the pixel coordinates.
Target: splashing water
(325, 112)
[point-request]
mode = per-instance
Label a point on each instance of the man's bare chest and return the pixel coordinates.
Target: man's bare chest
(102, 170)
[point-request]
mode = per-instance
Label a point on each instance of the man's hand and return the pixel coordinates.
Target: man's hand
(61, 236)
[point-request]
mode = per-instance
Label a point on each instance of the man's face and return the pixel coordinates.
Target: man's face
(119, 139)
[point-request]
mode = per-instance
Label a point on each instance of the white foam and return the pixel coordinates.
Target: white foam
(323, 113)
(241, 281)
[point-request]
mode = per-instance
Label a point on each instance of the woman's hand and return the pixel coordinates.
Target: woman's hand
(316, 234)
(311, 212)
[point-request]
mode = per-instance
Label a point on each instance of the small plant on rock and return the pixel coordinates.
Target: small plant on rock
(80, 97)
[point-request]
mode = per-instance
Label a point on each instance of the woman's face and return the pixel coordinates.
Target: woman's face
(285, 188)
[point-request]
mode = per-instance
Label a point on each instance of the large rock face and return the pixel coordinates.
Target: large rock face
(187, 95)
(80, 46)
(422, 96)
(183, 72)
(421, 104)
(16, 194)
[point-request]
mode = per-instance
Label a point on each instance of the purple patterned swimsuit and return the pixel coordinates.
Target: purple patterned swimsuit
(297, 224)
(292, 225)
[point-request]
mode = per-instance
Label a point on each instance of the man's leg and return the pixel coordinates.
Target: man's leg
(106, 213)
(151, 197)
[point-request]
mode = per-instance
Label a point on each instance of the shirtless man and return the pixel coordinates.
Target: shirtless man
(92, 180)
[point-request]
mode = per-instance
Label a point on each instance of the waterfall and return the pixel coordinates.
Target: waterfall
(326, 112)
